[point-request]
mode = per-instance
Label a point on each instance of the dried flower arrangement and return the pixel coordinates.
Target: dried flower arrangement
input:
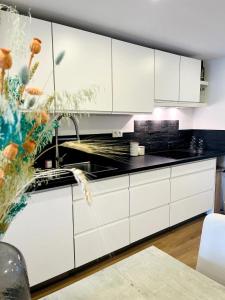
(25, 129)
(28, 120)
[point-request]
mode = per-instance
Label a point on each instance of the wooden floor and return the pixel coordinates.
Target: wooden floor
(181, 242)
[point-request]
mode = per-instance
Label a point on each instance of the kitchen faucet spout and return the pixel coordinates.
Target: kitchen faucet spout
(74, 119)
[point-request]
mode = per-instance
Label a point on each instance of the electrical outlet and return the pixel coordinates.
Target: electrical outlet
(117, 133)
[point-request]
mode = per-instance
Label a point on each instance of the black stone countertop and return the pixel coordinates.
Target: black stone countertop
(132, 165)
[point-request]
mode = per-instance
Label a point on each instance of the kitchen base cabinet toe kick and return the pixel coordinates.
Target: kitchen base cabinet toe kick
(125, 210)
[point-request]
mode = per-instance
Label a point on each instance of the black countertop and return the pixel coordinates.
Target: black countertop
(131, 165)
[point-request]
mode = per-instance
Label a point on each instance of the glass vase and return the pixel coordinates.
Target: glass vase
(14, 284)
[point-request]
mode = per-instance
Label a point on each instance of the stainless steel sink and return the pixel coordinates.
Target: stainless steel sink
(89, 167)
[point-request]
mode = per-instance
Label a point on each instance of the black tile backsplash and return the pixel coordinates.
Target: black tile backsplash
(154, 135)
(160, 135)
(213, 139)
(150, 126)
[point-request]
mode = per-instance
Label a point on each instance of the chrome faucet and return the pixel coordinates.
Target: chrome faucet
(74, 119)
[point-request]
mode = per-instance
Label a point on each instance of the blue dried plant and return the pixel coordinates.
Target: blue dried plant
(60, 57)
(24, 75)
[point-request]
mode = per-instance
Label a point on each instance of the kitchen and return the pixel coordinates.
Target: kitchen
(155, 104)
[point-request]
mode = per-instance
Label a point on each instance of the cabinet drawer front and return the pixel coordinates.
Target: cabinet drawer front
(191, 184)
(149, 223)
(103, 186)
(149, 176)
(193, 167)
(99, 242)
(105, 208)
(190, 207)
(152, 195)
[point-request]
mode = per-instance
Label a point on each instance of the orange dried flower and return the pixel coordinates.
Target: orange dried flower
(2, 180)
(34, 91)
(29, 146)
(2, 174)
(42, 117)
(5, 58)
(35, 46)
(11, 151)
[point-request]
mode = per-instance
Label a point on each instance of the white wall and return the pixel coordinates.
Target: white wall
(106, 123)
(213, 116)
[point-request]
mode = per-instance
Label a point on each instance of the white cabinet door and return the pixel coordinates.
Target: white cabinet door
(192, 190)
(191, 184)
(149, 223)
(167, 75)
(133, 77)
(101, 241)
(194, 167)
(104, 209)
(103, 186)
(87, 64)
(149, 196)
(149, 176)
(17, 35)
(192, 206)
(190, 70)
(43, 232)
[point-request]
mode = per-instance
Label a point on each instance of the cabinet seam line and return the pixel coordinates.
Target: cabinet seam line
(74, 252)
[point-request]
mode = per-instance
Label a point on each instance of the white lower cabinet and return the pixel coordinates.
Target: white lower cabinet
(149, 196)
(194, 167)
(192, 190)
(149, 203)
(192, 206)
(105, 208)
(125, 209)
(43, 232)
(149, 223)
(191, 184)
(103, 226)
(101, 241)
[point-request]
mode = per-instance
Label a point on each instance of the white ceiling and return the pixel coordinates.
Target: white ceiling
(190, 27)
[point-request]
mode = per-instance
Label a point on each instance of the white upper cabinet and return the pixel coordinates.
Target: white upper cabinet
(87, 64)
(167, 73)
(127, 78)
(16, 34)
(133, 77)
(190, 70)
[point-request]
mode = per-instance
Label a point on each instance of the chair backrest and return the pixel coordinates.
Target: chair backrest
(211, 257)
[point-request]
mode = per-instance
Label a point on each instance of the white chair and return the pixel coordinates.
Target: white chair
(211, 257)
